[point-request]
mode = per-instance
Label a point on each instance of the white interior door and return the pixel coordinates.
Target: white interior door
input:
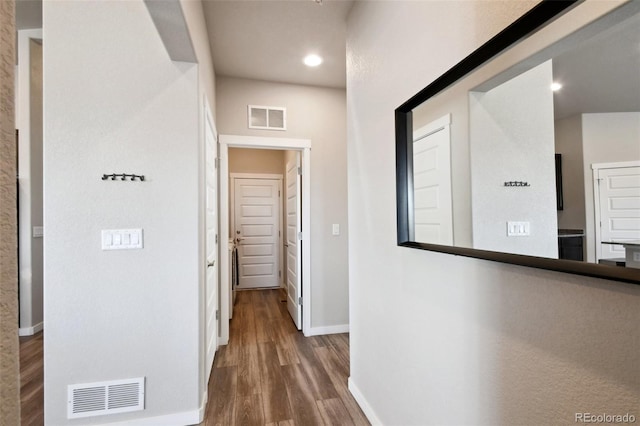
(619, 208)
(211, 223)
(257, 223)
(433, 216)
(293, 246)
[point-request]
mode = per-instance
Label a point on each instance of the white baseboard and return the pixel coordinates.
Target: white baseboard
(331, 329)
(364, 405)
(183, 418)
(30, 331)
(203, 404)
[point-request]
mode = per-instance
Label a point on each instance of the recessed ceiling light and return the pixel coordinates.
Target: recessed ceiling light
(312, 60)
(556, 86)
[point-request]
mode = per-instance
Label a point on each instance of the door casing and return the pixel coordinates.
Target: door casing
(237, 141)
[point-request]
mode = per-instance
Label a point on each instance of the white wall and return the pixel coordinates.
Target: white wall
(114, 102)
(568, 137)
(29, 123)
(440, 339)
(317, 114)
(511, 139)
(606, 138)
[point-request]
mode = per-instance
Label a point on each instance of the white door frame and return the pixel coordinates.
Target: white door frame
(595, 168)
(236, 141)
(208, 120)
(232, 206)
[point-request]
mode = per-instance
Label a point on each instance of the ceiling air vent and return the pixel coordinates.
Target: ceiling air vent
(100, 398)
(267, 117)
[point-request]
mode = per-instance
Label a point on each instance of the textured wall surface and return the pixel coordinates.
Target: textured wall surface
(9, 368)
(439, 339)
(130, 313)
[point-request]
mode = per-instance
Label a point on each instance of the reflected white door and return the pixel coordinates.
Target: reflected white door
(293, 243)
(432, 211)
(211, 223)
(619, 205)
(257, 222)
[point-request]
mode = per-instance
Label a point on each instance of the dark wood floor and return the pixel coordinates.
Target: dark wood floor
(31, 380)
(268, 374)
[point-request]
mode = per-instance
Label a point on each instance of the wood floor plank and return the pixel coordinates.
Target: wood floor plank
(249, 410)
(32, 380)
(249, 371)
(269, 365)
(221, 407)
(261, 318)
(319, 381)
(340, 344)
(331, 364)
(284, 342)
(303, 404)
(288, 422)
(274, 391)
(333, 412)
(276, 406)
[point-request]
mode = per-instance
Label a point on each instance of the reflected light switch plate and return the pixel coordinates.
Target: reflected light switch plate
(518, 229)
(121, 239)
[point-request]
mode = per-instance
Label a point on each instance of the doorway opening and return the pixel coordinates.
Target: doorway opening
(296, 230)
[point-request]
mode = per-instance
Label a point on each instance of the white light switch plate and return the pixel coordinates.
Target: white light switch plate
(518, 229)
(38, 231)
(121, 239)
(336, 229)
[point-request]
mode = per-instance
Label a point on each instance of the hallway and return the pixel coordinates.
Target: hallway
(270, 374)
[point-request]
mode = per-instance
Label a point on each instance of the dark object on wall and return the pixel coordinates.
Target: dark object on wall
(516, 183)
(571, 248)
(122, 176)
(559, 199)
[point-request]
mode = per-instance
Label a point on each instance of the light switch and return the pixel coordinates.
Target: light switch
(38, 232)
(121, 239)
(336, 229)
(518, 229)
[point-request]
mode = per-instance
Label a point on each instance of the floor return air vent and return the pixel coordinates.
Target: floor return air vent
(100, 398)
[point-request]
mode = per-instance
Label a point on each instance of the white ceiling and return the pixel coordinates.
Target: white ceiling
(602, 74)
(267, 40)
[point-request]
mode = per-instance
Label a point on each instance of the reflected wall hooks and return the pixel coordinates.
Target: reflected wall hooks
(516, 183)
(122, 176)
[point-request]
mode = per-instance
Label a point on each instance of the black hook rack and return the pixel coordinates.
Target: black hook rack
(122, 176)
(516, 183)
